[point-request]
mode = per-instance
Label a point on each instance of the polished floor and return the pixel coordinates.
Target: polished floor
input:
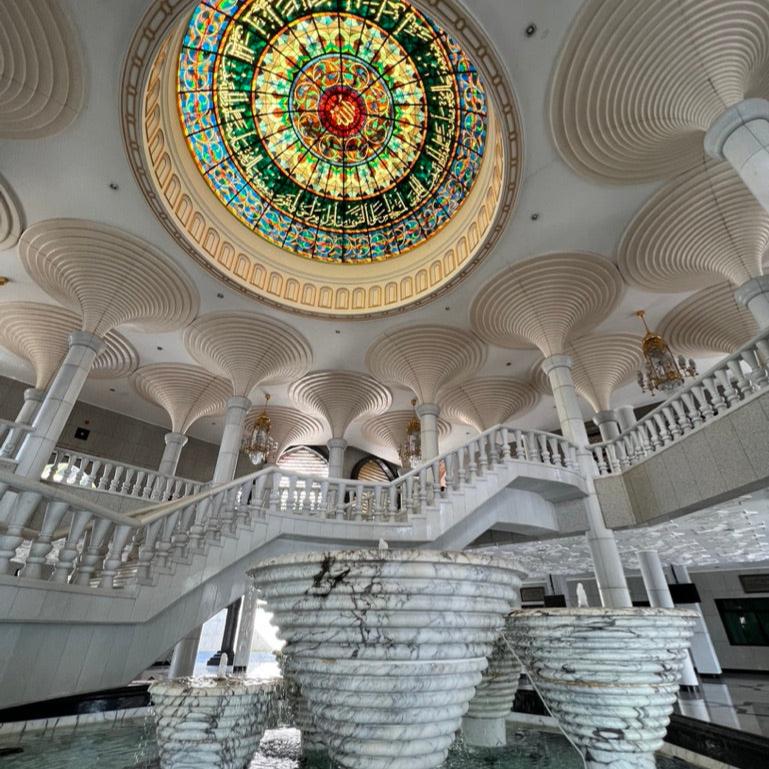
(736, 700)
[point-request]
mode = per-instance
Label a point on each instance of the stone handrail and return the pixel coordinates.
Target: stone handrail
(73, 468)
(736, 378)
(7, 428)
(97, 543)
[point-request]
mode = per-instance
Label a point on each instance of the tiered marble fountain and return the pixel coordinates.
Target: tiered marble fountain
(485, 724)
(216, 723)
(609, 676)
(388, 646)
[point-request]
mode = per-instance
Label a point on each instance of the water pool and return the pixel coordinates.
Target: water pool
(131, 745)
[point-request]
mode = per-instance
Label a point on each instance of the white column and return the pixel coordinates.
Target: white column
(59, 401)
(33, 397)
(755, 296)
(185, 652)
(175, 442)
(336, 447)
(609, 574)
(245, 631)
(659, 596)
(232, 439)
(702, 650)
(428, 417)
(741, 136)
(607, 424)
(626, 418)
(558, 370)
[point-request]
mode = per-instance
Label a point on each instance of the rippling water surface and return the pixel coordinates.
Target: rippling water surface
(132, 746)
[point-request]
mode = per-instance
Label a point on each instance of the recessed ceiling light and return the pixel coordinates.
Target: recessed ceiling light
(447, 308)
(534, 217)
(112, 389)
(220, 296)
(531, 30)
(509, 363)
(159, 347)
(114, 187)
(337, 331)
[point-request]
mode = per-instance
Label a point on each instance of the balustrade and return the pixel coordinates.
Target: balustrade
(742, 375)
(79, 542)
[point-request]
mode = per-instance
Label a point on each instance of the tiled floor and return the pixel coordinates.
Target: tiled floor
(738, 700)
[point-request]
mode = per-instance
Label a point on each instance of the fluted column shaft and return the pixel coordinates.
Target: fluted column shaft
(609, 573)
(659, 597)
(33, 398)
(607, 424)
(428, 418)
(175, 442)
(336, 448)
(741, 137)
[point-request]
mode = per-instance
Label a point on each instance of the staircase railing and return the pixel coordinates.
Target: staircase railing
(7, 427)
(83, 543)
(733, 380)
(74, 468)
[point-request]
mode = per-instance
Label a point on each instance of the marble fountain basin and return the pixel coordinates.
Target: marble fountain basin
(609, 676)
(210, 723)
(388, 646)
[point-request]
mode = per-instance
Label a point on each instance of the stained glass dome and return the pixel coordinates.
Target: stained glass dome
(340, 130)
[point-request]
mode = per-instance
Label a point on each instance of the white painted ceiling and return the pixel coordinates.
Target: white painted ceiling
(69, 175)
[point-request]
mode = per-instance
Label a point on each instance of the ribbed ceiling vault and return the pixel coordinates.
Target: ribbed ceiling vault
(41, 79)
(110, 277)
(638, 83)
(709, 322)
(341, 397)
(543, 300)
(288, 426)
(425, 358)
(11, 218)
(247, 348)
(487, 401)
(187, 393)
(702, 228)
(38, 333)
(389, 429)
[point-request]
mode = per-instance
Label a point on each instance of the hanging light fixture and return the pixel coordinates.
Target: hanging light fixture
(664, 372)
(410, 451)
(261, 447)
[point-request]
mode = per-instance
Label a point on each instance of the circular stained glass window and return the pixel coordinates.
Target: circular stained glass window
(340, 130)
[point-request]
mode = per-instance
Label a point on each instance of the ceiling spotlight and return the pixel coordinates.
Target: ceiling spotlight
(114, 187)
(337, 331)
(159, 347)
(534, 217)
(112, 389)
(220, 296)
(509, 363)
(531, 30)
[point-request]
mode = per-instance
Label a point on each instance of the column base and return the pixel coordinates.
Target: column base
(216, 659)
(484, 732)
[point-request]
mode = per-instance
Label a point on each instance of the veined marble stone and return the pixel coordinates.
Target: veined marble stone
(484, 725)
(216, 723)
(388, 646)
(609, 676)
(299, 712)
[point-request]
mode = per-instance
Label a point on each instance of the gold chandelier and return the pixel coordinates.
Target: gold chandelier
(664, 372)
(261, 446)
(410, 451)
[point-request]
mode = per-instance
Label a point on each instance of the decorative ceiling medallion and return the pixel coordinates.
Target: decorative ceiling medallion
(341, 130)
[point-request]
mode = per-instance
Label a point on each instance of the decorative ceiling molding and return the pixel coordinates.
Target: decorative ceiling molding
(288, 426)
(704, 227)
(186, 392)
(11, 217)
(543, 300)
(425, 358)
(202, 227)
(488, 401)
(247, 348)
(341, 397)
(42, 87)
(602, 363)
(110, 277)
(389, 429)
(710, 322)
(638, 83)
(38, 334)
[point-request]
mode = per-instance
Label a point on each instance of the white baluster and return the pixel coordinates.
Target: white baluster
(67, 555)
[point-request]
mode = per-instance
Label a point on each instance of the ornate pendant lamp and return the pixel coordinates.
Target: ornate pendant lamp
(411, 449)
(261, 447)
(664, 372)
